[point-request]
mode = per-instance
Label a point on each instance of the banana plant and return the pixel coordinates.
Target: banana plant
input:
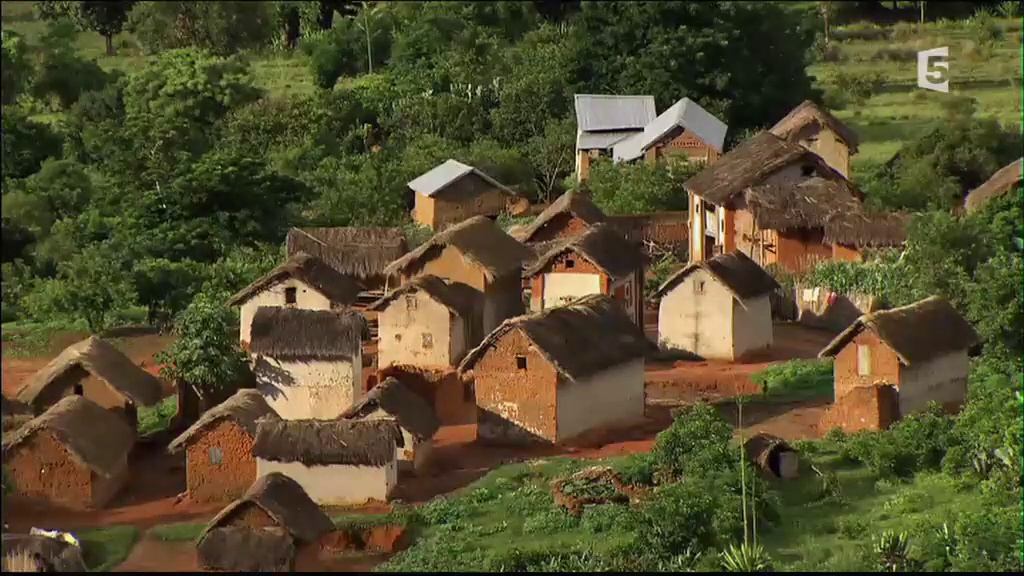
(746, 558)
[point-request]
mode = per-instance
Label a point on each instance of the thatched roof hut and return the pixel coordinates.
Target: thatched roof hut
(808, 113)
(411, 411)
(92, 436)
(296, 333)
(101, 359)
(572, 203)
(328, 442)
(582, 338)
(340, 289)
(362, 252)
(916, 333)
(1006, 179)
(807, 204)
(44, 553)
(480, 240)
(603, 246)
(749, 164)
(735, 270)
(867, 229)
(460, 298)
(772, 455)
(226, 547)
(244, 407)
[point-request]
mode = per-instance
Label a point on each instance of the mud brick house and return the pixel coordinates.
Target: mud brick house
(307, 363)
(778, 202)
(572, 214)
(453, 191)
(599, 261)
(602, 120)
(719, 308)
(476, 252)
(301, 282)
(219, 466)
(819, 131)
(1004, 181)
(426, 322)
(416, 418)
(553, 375)
(264, 529)
(74, 455)
(684, 130)
(921, 350)
(450, 397)
(95, 369)
(337, 462)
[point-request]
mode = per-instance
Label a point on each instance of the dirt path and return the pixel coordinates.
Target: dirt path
(152, 555)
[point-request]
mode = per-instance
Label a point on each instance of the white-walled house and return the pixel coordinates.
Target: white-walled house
(718, 308)
(303, 282)
(308, 363)
(337, 462)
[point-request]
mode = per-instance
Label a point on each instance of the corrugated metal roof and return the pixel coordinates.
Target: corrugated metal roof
(602, 140)
(442, 175)
(686, 114)
(604, 112)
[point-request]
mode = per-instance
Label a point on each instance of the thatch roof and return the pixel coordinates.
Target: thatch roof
(11, 407)
(735, 270)
(341, 289)
(580, 339)
(284, 500)
(104, 361)
(359, 252)
(56, 554)
(94, 437)
(328, 442)
(244, 407)
(750, 163)
(867, 229)
(243, 549)
(460, 298)
(917, 333)
(807, 204)
(1006, 179)
(411, 411)
(574, 203)
(480, 241)
(603, 246)
(760, 449)
(808, 113)
(296, 333)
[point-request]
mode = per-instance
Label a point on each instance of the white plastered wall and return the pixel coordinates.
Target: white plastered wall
(613, 396)
(306, 298)
(699, 323)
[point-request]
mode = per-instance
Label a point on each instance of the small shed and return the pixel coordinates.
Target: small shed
(261, 531)
(452, 191)
(95, 369)
(426, 322)
(602, 120)
(302, 282)
(391, 399)
(683, 129)
(920, 349)
(718, 308)
(74, 455)
(308, 363)
(218, 448)
(772, 455)
(337, 462)
(816, 129)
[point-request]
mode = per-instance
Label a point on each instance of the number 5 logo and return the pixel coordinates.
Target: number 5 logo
(933, 69)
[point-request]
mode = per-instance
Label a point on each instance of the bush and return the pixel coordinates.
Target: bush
(696, 444)
(636, 469)
(796, 379)
(894, 54)
(916, 443)
(858, 86)
(692, 515)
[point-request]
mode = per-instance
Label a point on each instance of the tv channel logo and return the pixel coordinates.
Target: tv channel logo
(933, 69)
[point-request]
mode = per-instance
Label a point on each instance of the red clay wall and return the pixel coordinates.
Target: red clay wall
(43, 472)
(558, 265)
(564, 225)
(863, 408)
(105, 489)
(443, 389)
(232, 477)
(515, 406)
(885, 366)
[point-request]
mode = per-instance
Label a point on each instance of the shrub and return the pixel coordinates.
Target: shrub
(983, 28)
(551, 521)
(685, 517)
(894, 54)
(600, 518)
(858, 87)
(637, 469)
(915, 443)
(796, 378)
(696, 444)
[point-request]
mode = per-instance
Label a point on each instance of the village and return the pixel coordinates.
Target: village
(381, 371)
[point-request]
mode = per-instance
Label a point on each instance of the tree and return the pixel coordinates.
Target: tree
(223, 28)
(827, 11)
(638, 188)
(107, 18)
(15, 67)
(552, 156)
(62, 74)
(26, 144)
(206, 356)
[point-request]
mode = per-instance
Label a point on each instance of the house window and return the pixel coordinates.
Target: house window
(216, 456)
(807, 170)
(863, 360)
(570, 263)
(468, 393)
(812, 140)
(428, 340)
(78, 390)
(521, 362)
(289, 295)
(398, 337)
(698, 287)
(410, 303)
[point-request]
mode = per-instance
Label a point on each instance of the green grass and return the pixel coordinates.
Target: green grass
(30, 339)
(157, 418)
(106, 548)
(186, 531)
(796, 380)
(176, 532)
